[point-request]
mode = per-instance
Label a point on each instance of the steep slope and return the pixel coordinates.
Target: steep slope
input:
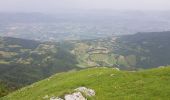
(23, 62)
(4, 89)
(108, 84)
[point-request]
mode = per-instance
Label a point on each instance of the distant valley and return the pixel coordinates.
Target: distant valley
(76, 26)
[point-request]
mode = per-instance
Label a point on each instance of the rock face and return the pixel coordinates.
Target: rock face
(75, 96)
(86, 91)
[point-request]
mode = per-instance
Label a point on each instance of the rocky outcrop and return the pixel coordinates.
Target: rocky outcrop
(77, 95)
(86, 91)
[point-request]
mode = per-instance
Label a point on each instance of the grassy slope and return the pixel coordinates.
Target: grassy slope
(151, 84)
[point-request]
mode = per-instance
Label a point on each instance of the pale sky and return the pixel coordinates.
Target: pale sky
(64, 5)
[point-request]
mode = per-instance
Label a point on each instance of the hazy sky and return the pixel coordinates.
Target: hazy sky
(64, 5)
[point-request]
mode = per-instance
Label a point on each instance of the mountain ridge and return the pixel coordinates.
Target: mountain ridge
(108, 83)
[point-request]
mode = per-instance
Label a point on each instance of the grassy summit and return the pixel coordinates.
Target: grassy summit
(108, 83)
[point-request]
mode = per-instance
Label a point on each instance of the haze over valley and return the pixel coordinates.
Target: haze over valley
(84, 50)
(81, 25)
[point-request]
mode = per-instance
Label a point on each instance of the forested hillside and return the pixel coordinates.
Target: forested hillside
(23, 62)
(130, 52)
(151, 49)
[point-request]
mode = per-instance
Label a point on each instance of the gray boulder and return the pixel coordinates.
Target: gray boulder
(75, 96)
(86, 91)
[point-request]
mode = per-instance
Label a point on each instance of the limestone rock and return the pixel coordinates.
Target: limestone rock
(75, 96)
(86, 91)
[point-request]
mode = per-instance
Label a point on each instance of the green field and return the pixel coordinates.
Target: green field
(99, 57)
(108, 83)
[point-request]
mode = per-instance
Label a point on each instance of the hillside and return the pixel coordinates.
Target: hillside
(23, 62)
(151, 49)
(130, 52)
(4, 89)
(108, 83)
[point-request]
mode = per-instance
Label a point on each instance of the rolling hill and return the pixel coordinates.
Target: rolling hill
(131, 52)
(108, 84)
(151, 49)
